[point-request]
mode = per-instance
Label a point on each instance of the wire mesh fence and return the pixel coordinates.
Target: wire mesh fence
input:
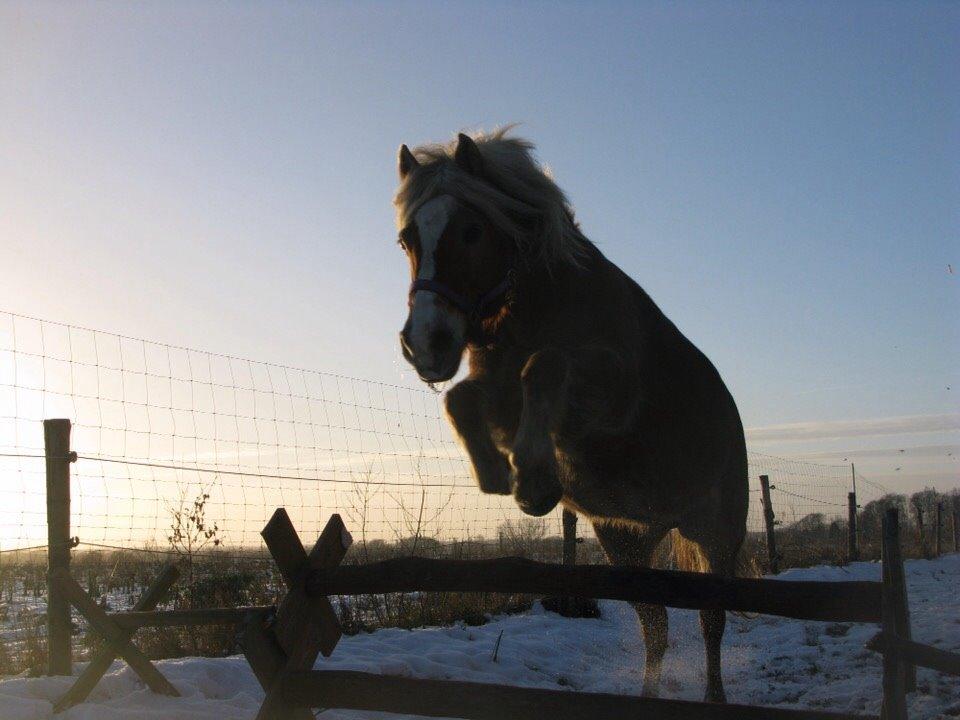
(185, 454)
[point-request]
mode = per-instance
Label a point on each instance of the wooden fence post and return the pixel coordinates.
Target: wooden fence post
(921, 535)
(956, 524)
(56, 439)
(939, 536)
(853, 550)
(769, 521)
(898, 677)
(569, 538)
(569, 553)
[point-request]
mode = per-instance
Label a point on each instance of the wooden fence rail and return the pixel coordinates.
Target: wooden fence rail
(855, 601)
(282, 643)
(483, 701)
(132, 620)
(916, 653)
(293, 686)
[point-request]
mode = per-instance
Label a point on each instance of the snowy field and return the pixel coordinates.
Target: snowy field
(767, 661)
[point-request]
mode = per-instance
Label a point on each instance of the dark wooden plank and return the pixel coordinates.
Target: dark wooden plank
(328, 551)
(284, 545)
(569, 554)
(481, 701)
(267, 659)
(115, 636)
(899, 580)
(835, 601)
(105, 656)
(56, 440)
(132, 620)
(894, 669)
(916, 653)
(305, 626)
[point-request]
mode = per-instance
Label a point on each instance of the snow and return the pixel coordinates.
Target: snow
(767, 660)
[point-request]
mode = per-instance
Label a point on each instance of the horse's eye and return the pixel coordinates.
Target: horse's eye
(471, 233)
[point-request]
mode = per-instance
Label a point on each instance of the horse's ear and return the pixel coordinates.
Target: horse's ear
(467, 155)
(406, 162)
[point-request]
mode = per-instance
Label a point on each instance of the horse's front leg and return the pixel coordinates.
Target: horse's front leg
(536, 482)
(465, 403)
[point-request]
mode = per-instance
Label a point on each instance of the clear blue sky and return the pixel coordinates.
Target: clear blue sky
(782, 178)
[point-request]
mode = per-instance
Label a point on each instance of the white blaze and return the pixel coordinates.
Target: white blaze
(431, 220)
(427, 313)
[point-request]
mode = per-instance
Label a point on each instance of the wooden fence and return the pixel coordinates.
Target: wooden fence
(283, 654)
(282, 643)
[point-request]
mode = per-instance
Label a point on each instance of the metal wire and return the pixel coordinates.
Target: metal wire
(169, 438)
(216, 471)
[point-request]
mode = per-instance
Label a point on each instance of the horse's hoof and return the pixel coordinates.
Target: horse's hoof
(536, 484)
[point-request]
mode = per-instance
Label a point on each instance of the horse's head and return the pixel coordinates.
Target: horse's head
(459, 264)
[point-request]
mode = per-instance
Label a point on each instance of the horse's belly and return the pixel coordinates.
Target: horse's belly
(617, 495)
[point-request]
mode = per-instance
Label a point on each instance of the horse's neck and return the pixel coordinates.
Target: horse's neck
(568, 305)
(544, 303)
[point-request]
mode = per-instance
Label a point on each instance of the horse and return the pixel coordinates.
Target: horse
(580, 391)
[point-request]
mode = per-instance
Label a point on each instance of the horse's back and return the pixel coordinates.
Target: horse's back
(687, 422)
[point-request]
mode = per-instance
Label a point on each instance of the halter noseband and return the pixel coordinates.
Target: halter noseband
(486, 306)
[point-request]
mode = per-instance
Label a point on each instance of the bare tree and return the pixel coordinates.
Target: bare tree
(190, 531)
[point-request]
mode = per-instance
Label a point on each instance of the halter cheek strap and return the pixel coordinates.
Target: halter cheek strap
(485, 307)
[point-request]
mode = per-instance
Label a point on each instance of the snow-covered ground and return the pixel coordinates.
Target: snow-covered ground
(767, 661)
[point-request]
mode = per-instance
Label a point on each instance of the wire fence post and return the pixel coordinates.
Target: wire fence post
(769, 521)
(956, 524)
(569, 552)
(853, 549)
(938, 546)
(899, 678)
(56, 439)
(921, 535)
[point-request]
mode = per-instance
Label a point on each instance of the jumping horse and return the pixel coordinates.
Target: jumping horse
(580, 391)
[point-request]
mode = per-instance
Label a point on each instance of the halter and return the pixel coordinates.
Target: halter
(486, 306)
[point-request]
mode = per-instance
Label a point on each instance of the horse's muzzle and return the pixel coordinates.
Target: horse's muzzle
(439, 363)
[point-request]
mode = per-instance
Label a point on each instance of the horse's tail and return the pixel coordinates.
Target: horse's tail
(682, 554)
(685, 555)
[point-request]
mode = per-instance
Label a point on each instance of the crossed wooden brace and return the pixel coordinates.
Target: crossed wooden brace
(116, 639)
(303, 626)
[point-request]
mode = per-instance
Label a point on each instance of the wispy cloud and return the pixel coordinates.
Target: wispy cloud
(872, 427)
(907, 451)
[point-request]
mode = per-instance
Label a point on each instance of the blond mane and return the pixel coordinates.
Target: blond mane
(516, 194)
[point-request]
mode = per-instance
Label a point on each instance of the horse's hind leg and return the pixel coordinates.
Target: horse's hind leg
(712, 624)
(465, 407)
(634, 545)
(718, 555)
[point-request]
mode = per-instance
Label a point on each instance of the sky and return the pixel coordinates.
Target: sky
(782, 178)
